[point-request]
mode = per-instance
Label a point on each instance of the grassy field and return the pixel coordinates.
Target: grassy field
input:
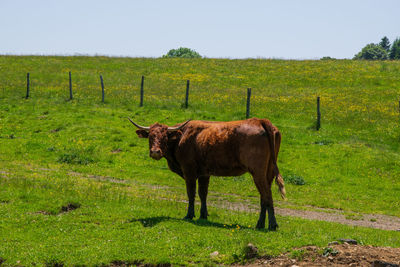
(55, 152)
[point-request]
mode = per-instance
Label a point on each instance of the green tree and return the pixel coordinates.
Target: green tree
(182, 52)
(372, 52)
(395, 49)
(327, 58)
(385, 44)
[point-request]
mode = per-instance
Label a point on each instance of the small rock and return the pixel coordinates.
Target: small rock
(294, 266)
(330, 258)
(333, 243)
(251, 251)
(348, 241)
(214, 254)
(116, 151)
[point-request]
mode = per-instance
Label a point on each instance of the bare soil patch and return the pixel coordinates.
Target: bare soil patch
(69, 207)
(64, 209)
(340, 255)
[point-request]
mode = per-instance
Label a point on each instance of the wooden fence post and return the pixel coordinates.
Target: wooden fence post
(187, 94)
(248, 103)
(102, 88)
(318, 114)
(27, 86)
(141, 92)
(70, 86)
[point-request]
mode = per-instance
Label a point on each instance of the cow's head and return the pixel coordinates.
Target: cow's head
(159, 135)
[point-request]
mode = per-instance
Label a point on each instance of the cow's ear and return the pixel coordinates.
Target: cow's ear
(176, 135)
(142, 133)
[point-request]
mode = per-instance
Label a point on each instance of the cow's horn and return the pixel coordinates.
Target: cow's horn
(137, 125)
(172, 129)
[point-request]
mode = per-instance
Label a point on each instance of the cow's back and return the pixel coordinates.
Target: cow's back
(224, 148)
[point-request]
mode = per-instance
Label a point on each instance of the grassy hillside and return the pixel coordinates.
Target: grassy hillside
(54, 152)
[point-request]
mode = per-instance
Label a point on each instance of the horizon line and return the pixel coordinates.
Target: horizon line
(154, 57)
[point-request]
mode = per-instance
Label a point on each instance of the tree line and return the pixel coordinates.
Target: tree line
(381, 51)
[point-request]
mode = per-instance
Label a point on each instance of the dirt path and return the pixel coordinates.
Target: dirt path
(217, 199)
(377, 221)
(383, 222)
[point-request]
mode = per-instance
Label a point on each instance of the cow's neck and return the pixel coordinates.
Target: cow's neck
(173, 164)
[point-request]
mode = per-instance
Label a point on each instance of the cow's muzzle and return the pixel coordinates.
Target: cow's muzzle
(156, 154)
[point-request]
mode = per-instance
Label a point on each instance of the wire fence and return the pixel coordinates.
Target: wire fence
(318, 109)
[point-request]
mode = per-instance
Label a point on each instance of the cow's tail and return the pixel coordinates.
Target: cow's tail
(274, 138)
(281, 184)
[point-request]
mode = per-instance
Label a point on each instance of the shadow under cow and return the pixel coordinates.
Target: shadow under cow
(152, 221)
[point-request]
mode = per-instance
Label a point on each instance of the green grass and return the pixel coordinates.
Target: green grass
(54, 152)
(129, 223)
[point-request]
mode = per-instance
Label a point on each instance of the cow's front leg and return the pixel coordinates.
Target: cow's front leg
(203, 191)
(191, 192)
(272, 225)
(261, 219)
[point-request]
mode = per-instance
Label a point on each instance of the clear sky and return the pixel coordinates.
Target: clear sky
(290, 29)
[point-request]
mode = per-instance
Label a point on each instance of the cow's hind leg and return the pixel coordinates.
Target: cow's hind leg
(191, 192)
(203, 191)
(259, 180)
(272, 224)
(264, 187)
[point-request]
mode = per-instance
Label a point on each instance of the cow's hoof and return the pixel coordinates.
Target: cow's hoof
(203, 215)
(273, 227)
(188, 217)
(260, 225)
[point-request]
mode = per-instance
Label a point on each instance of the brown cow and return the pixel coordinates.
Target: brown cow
(195, 150)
